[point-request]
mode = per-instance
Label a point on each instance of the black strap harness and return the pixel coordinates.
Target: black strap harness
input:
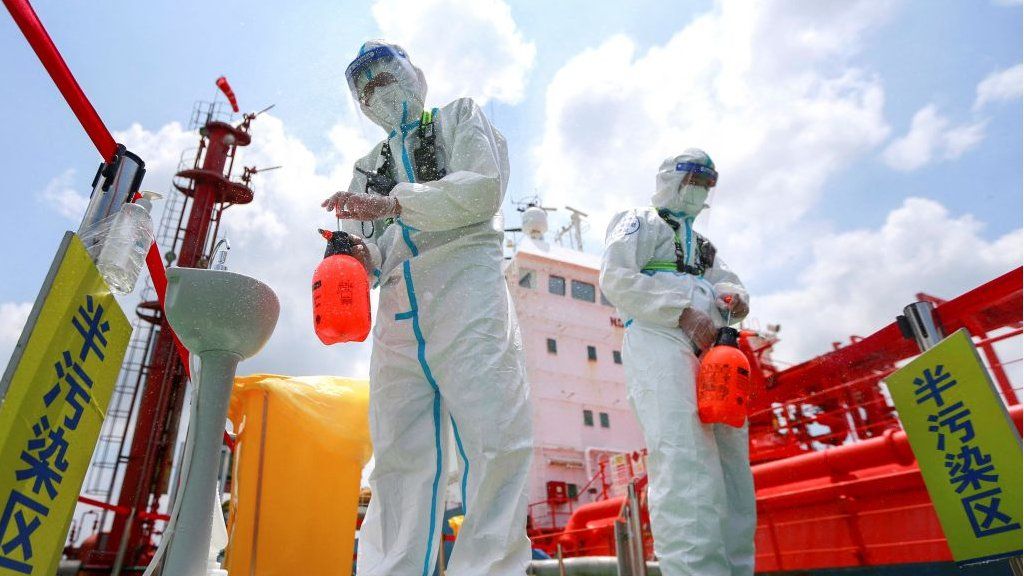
(705, 249)
(425, 159)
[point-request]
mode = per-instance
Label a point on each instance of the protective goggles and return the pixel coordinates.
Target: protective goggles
(377, 68)
(698, 174)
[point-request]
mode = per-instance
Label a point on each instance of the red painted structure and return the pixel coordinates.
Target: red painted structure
(209, 190)
(837, 484)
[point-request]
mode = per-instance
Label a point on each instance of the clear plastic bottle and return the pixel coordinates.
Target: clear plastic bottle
(124, 250)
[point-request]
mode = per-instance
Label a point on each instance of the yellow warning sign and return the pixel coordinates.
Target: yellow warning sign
(53, 397)
(967, 448)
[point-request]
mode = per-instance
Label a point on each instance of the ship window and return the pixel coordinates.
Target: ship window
(616, 356)
(572, 491)
(591, 353)
(583, 291)
(552, 346)
(588, 417)
(527, 278)
(556, 285)
(605, 301)
(605, 423)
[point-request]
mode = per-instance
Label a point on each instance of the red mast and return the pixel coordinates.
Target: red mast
(189, 231)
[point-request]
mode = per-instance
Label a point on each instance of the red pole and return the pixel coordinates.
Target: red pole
(26, 19)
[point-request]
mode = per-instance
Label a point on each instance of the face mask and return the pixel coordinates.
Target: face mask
(386, 104)
(693, 198)
(688, 199)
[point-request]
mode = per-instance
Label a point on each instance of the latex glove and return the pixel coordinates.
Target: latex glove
(698, 327)
(732, 299)
(362, 206)
(361, 252)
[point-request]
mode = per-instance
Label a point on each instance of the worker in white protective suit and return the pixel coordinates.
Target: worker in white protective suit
(673, 293)
(447, 358)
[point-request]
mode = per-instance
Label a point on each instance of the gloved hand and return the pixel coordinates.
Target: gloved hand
(698, 327)
(731, 298)
(361, 206)
(361, 252)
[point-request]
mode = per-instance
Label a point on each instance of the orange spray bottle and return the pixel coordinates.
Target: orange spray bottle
(723, 383)
(341, 293)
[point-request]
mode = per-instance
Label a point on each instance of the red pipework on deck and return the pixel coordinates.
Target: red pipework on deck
(857, 503)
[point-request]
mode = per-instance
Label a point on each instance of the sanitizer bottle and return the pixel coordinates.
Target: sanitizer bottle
(125, 248)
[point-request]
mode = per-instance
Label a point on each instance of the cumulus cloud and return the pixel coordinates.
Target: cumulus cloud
(273, 238)
(464, 47)
(778, 112)
(930, 136)
(1000, 86)
(12, 320)
(860, 280)
(63, 195)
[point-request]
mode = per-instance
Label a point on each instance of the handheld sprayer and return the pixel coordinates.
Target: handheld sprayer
(341, 293)
(723, 383)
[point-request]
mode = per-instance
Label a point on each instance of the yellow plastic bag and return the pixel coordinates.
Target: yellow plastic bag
(301, 446)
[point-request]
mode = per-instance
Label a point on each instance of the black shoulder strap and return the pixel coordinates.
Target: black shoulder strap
(705, 249)
(387, 167)
(425, 154)
(706, 252)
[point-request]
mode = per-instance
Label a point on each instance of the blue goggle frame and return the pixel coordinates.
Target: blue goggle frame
(365, 59)
(695, 168)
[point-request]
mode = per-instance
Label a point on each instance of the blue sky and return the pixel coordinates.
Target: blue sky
(845, 131)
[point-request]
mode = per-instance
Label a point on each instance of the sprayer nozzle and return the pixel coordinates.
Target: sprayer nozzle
(327, 234)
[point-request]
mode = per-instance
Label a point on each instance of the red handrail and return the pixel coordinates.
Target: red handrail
(28, 21)
(37, 37)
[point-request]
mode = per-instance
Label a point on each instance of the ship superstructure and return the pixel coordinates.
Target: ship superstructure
(586, 437)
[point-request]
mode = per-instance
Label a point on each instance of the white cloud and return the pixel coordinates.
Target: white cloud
(62, 195)
(464, 47)
(958, 140)
(1000, 86)
(12, 320)
(860, 280)
(930, 136)
(273, 238)
(765, 88)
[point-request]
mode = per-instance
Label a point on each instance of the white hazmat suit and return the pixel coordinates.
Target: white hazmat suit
(701, 490)
(447, 352)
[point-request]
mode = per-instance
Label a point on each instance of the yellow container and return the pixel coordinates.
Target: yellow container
(301, 446)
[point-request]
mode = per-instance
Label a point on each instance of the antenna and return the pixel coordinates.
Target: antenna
(249, 117)
(531, 202)
(249, 171)
(574, 229)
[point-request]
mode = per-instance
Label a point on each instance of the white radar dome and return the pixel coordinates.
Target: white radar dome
(535, 222)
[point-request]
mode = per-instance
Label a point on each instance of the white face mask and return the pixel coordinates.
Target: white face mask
(688, 199)
(386, 104)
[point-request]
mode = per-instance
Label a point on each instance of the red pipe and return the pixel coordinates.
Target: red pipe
(26, 19)
(34, 31)
(594, 511)
(121, 510)
(891, 447)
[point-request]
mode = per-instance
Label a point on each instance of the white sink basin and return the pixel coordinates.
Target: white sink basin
(220, 310)
(223, 318)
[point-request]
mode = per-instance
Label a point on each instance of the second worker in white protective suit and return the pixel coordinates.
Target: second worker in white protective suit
(447, 352)
(671, 290)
